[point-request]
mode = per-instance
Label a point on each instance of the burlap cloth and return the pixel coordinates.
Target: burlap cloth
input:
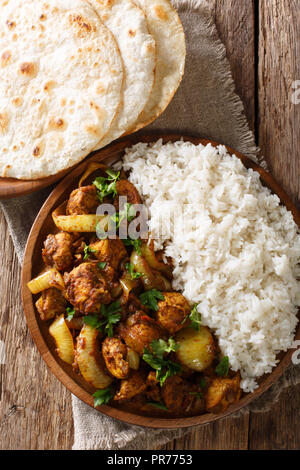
(205, 105)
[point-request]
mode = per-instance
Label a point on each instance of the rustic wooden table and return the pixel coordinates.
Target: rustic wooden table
(262, 39)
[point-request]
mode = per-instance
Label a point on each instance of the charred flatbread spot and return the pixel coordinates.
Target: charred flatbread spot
(10, 24)
(56, 123)
(49, 85)
(160, 12)
(82, 25)
(36, 151)
(42, 17)
(92, 130)
(5, 58)
(4, 171)
(27, 68)
(131, 33)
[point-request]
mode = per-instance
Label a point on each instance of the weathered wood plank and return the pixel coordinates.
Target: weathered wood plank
(235, 20)
(278, 428)
(279, 135)
(229, 433)
(279, 68)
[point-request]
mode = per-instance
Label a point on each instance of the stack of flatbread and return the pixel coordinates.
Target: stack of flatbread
(78, 74)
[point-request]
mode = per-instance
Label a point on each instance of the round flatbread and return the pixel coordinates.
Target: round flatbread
(166, 28)
(128, 24)
(60, 88)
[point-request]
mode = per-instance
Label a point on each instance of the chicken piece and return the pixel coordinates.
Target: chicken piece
(114, 353)
(58, 251)
(86, 288)
(153, 388)
(221, 393)
(83, 200)
(126, 189)
(110, 251)
(172, 311)
(134, 385)
(51, 303)
(140, 331)
(177, 394)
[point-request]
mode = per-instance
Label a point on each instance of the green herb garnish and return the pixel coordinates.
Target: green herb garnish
(109, 317)
(161, 347)
(102, 397)
(150, 297)
(131, 271)
(102, 265)
(160, 406)
(106, 186)
(87, 251)
(222, 368)
(195, 318)
(71, 312)
(136, 243)
(154, 358)
(129, 211)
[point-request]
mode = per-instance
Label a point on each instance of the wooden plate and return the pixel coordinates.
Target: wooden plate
(39, 330)
(12, 187)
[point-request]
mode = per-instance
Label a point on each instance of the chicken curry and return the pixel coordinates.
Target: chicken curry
(114, 316)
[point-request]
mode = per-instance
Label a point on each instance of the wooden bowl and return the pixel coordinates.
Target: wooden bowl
(12, 187)
(39, 330)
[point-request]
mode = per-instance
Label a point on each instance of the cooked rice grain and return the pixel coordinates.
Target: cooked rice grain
(238, 255)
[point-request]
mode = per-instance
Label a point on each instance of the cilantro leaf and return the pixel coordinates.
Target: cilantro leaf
(102, 397)
(149, 298)
(102, 265)
(112, 174)
(129, 211)
(71, 312)
(164, 367)
(108, 318)
(93, 321)
(170, 368)
(161, 347)
(222, 368)
(111, 316)
(195, 317)
(106, 186)
(87, 251)
(160, 406)
(133, 274)
(136, 243)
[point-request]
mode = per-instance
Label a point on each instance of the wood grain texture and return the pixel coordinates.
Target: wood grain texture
(235, 22)
(279, 67)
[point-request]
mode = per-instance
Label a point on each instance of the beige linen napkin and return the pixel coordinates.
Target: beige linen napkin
(207, 106)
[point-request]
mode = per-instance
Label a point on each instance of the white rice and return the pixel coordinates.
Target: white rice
(238, 256)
